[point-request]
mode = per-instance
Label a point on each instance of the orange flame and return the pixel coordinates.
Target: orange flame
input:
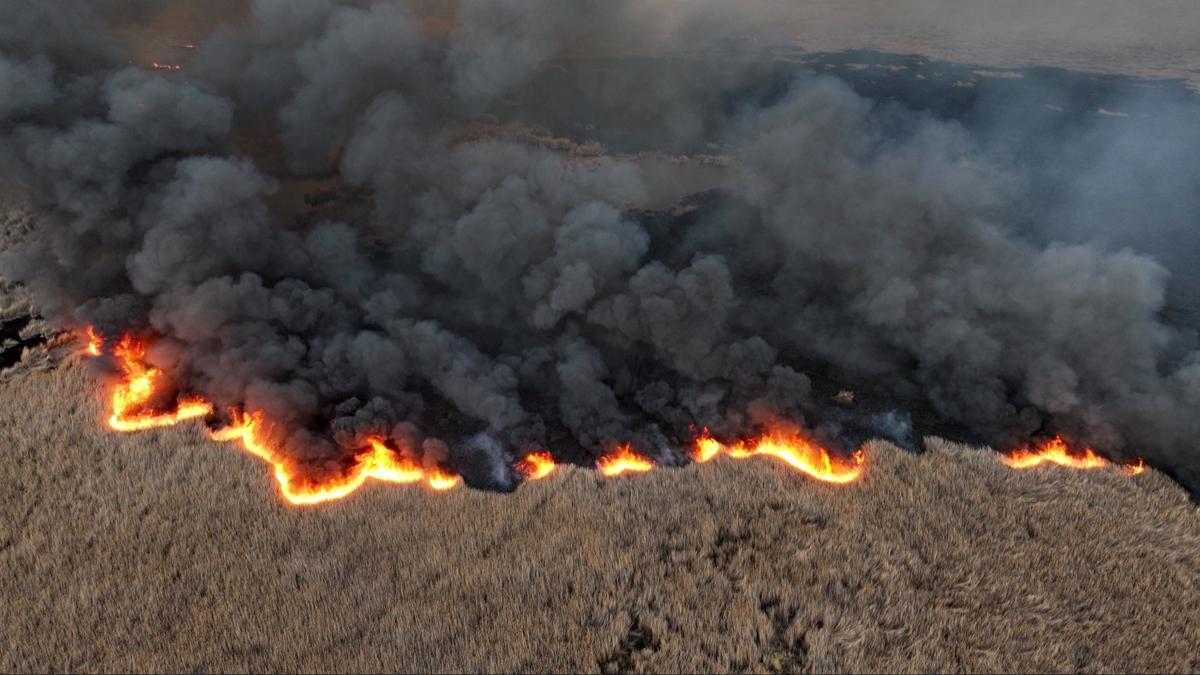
(140, 383)
(623, 460)
(1056, 451)
(95, 345)
(791, 448)
(377, 462)
(173, 67)
(707, 448)
(132, 410)
(537, 465)
(138, 387)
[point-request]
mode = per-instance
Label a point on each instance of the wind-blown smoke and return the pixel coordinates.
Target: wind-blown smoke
(487, 297)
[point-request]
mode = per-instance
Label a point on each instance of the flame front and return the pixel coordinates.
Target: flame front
(791, 448)
(138, 388)
(1056, 451)
(140, 384)
(537, 465)
(377, 462)
(707, 449)
(137, 399)
(95, 345)
(133, 409)
(623, 460)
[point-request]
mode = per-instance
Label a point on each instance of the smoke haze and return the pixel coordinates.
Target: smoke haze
(478, 294)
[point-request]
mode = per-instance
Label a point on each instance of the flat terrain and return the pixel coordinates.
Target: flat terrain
(164, 551)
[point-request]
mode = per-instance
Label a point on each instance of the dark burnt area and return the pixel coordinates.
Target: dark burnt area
(12, 342)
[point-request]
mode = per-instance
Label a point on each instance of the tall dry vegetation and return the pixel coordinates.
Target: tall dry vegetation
(166, 552)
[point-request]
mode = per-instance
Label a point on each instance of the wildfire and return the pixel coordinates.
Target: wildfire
(140, 384)
(136, 406)
(172, 67)
(623, 460)
(790, 447)
(132, 410)
(1056, 451)
(707, 448)
(95, 345)
(377, 461)
(537, 465)
(138, 403)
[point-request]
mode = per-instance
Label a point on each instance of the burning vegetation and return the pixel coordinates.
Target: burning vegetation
(1057, 451)
(537, 465)
(141, 400)
(726, 567)
(842, 273)
(137, 401)
(376, 461)
(623, 460)
(144, 398)
(790, 447)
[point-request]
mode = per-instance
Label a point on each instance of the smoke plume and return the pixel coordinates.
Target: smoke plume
(479, 295)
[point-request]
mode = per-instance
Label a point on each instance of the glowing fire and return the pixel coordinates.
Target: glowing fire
(95, 345)
(138, 404)
(137, 390)
(537, 465)
(1056, 451)
(623, 460)
(173, 67)
(707, 448)
(132, 410)
(377, 462)
(791, 448)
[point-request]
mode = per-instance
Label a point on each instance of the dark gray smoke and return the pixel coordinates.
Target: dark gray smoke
(478, 295)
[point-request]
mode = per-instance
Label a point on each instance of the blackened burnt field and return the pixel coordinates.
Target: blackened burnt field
(166, 551)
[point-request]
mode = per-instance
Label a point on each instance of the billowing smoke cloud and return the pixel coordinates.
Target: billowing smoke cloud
(890, 259)
(482, 295)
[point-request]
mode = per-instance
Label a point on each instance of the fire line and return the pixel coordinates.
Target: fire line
(537, 465)
(141, 383)
(134, 409)
(623, 460)
(1057, 451)
(376, 462)
(790, 447)
(139, 402)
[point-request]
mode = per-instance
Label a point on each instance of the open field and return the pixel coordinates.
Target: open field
(165, 551)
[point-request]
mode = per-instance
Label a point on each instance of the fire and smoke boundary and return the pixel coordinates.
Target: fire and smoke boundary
(142, 399)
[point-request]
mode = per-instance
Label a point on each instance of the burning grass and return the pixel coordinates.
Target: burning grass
(165, 551)
(623, 460)
(143, 398)
(1057, 451)
(790, 447)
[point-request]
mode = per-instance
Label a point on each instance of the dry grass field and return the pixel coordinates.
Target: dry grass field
(164, 551)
